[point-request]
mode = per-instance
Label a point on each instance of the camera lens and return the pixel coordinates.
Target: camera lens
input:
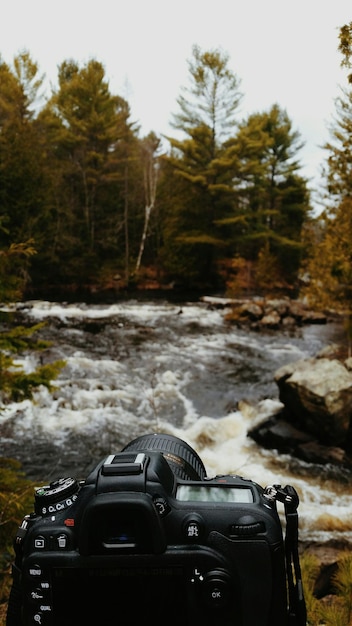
(183, 460)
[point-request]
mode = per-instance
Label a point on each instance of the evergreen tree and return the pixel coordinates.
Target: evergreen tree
(15, 383)
(207, 116)
(89, 143)
(22, 168)
(271, 198)
(211, 100)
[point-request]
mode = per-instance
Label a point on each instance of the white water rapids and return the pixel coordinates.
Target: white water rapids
(133, 368)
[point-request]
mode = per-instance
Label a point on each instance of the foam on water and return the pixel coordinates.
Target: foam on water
(101, 397)
(40, 310)
(325, 509)
(222, 443)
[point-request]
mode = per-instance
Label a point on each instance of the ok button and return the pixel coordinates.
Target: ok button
(216, 588)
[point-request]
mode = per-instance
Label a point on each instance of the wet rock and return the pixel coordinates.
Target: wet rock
(279, 306)
(288, 321)
(271, 320)
(318, 395)
(297, 310)
(314, 317)
(315, 422)
(250, 310)
(314, 452)
(277, 433)
(275, 313)
(327, 556)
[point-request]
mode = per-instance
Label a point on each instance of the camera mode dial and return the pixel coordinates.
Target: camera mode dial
(55, 497)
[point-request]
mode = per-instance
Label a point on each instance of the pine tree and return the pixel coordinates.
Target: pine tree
(206, 118)
(272, 200)
(15, 383)
(92, 148)
(22, 166)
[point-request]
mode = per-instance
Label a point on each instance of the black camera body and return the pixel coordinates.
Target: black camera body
(148, 536)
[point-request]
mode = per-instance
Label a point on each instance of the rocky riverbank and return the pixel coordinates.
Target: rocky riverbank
(268, 313)
(316, 393)
(315, 422)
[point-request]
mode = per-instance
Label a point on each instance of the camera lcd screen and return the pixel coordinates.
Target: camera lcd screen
(119, 595)
(214, 493)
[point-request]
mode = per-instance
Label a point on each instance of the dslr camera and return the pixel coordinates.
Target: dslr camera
(147, 535)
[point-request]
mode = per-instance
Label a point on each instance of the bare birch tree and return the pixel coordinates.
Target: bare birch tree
(150, 145)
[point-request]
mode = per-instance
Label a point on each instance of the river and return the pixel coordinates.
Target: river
(156, 366)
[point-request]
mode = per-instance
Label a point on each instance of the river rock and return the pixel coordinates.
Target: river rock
(317, 393)
(278, 433)
(327, 556)
(268, 313)
(271, 319)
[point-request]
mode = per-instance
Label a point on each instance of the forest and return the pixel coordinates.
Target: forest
(87, 205)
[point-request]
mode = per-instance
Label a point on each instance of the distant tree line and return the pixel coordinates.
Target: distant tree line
(219, 205)
(328, 264)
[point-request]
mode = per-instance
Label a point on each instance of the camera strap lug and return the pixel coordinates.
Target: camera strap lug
(288, 496)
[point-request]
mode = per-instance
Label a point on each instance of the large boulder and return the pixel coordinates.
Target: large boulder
(317, 394)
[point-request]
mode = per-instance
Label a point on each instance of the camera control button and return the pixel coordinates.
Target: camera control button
(62, 541)
(162, 506)
(247, 525)
(35, 571)
(39, 543)
(45, 585)
(41, 619)
(193, 527)
(216, 589)
(38, 594)
(193, 530)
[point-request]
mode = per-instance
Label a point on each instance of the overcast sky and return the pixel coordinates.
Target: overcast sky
(282, 52)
